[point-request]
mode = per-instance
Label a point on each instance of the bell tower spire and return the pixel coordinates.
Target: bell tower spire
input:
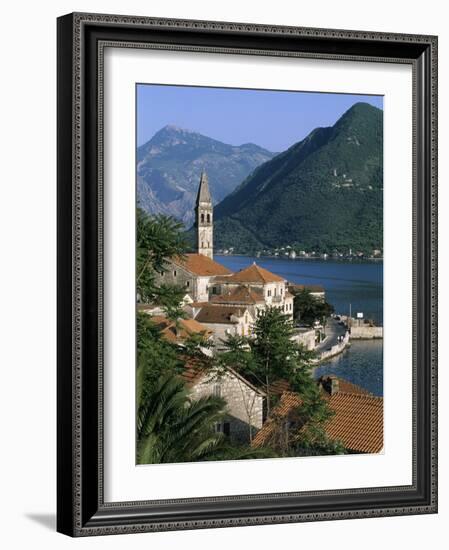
(204, 219)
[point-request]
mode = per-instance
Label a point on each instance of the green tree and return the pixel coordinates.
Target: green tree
(269, 354)
(155, 356)
(277, 355)
(158, 238)
(172, 427)
(307, 308)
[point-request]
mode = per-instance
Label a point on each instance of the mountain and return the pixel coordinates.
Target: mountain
(324, 193)
(170, 164)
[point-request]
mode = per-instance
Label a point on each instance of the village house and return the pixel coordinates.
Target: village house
(195, 273)
(178, 332)
(265, 288)
(245, 402)
(225, 320)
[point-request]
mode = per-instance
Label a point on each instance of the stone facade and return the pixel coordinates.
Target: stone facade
(244, 404)
(196, 285)
(204, 219)
(274, 293)
(306, 337)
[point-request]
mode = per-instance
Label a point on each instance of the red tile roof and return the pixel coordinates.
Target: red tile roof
(278, 387)
(198, 264)
(212, 313)
(255, 274)
(240, 295)
(186, 327)
(357, 420)
(287, 404)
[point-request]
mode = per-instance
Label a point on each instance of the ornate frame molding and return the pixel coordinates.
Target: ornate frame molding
(81, 42)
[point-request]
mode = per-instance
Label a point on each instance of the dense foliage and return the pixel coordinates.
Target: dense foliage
(325, 193)
(158, 238)
(307, 308)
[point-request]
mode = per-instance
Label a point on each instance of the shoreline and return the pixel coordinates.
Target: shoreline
(301, 258)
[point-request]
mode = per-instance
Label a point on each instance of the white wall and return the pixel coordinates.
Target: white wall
(27, 299)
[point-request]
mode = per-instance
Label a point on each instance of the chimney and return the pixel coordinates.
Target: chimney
(335, 385)
(330, 384)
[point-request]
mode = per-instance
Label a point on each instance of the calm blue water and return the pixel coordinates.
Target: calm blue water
(361, 364)
(346, 282)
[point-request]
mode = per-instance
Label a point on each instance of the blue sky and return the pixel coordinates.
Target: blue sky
(272, 119)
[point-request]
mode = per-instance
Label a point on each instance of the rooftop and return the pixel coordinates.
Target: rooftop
(185, 328)
(240, 295)
(255, 274)
(221, 314)
(288, 402)
(196, 370)
(203, 190)
(357, 420)
(198, 264)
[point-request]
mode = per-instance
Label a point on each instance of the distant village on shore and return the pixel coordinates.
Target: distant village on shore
(292, 252)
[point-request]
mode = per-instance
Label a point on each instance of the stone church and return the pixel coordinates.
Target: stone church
(225, 302)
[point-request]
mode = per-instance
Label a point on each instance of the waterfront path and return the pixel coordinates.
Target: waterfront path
(333, 331)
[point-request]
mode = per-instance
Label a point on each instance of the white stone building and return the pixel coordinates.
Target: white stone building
(265, 288)
(225, 320)
(195, 273)
(245, 402)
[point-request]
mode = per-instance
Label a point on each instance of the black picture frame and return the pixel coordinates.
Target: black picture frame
(81, 509)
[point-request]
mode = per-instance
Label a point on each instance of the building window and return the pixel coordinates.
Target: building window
(214, 290)
(202, 244)
(208, 218)
(208, 244)
(174, 273)
(202, 218)
(281, 291)
(268, 292)
(275, 289)
(187, 284)
(226, 428)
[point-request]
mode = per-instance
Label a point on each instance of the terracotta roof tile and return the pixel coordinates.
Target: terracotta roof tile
(212, 313)
(198, 264)
(255, 274)
(358, 421)
(278, 387)
(240, 295)
(288, 402)
(186, 327)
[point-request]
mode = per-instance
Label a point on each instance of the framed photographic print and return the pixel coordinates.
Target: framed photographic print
(246, 274)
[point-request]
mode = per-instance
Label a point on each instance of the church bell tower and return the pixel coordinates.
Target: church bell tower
(203, 219)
